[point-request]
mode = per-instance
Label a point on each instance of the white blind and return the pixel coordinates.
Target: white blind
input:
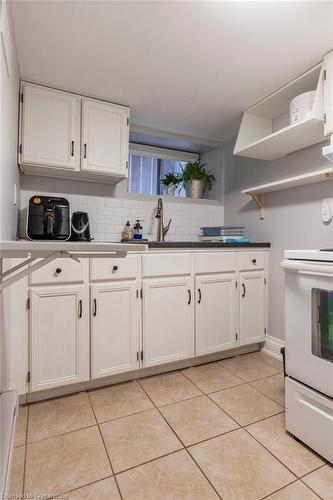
(162, 153)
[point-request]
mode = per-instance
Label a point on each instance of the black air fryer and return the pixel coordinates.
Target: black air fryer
(48, 218)
(80, 227)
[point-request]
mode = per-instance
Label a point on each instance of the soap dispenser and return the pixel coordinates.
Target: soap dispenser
(137, 230)
(127, 232)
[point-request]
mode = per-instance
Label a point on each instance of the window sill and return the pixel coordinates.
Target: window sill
(170, 199)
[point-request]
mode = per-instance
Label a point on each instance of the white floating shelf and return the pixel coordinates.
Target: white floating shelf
(313, 177)
(286, 140)
(265, 133)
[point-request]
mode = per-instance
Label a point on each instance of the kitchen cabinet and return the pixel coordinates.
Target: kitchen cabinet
(50, 128)
(104, 137)
(59, 336)
(115, 328)
(252, 307)
(70, 136)
(216, 296)
(168, 320)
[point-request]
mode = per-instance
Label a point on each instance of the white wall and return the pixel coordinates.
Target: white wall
(9, 176)
(292, 218)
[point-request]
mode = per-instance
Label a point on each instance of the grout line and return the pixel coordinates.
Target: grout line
(26, 448)
(279, 489)
(185, 447)
(105, 448)
(88, 484)
(61, 434)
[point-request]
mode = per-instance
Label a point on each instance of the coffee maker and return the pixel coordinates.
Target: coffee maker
(80, 227)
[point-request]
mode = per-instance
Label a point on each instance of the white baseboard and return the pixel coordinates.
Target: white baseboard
(272, 347)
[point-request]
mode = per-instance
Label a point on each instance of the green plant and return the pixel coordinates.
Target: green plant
(170, 178)
(195, 170)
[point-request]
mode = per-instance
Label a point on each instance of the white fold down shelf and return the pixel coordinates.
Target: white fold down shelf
(257, 192)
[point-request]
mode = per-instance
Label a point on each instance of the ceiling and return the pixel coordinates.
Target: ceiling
(185, 67)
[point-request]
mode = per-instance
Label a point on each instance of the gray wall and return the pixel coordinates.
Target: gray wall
(292, 218)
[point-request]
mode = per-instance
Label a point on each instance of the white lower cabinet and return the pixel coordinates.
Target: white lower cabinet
(115, 328)
(215, 313)
(168, 320)
(252, 307)
(59, 336)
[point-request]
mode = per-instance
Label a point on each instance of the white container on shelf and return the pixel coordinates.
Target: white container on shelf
(300, 107)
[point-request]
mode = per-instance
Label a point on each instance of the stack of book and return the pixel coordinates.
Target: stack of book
(225, 234)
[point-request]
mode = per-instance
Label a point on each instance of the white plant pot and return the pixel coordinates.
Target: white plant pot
(195, 188)
(171, 189)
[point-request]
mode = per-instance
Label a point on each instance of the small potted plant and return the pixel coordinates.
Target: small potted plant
(196, 179)
(170, 182)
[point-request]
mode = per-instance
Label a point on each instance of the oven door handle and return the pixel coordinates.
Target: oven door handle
(315, 273)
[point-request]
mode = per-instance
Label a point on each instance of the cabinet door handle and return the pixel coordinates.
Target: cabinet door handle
(254, 261)
(189, 297)
(85, 151)
(95, 307)
(199, 296)
(244, 290)
(72, 148)
(80, 308)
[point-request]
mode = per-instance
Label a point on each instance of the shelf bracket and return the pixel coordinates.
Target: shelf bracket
(259, 199)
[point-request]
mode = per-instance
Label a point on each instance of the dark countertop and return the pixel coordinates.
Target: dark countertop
(199, 244)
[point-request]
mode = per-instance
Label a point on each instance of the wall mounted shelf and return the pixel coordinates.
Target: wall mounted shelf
(265, 132)
(313, 177)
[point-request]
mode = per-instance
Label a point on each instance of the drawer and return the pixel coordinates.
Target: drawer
(105, 269)
(248, 261)
(212, 262)
(167, 264)
(59, 271)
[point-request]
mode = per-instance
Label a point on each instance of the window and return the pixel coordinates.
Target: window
(149, 165)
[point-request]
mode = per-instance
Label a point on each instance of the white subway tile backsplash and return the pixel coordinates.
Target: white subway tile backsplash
(108, 215)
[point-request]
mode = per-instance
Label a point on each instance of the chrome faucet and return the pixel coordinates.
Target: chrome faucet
(161, 230)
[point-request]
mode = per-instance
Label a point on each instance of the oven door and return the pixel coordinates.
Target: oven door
(309, 328)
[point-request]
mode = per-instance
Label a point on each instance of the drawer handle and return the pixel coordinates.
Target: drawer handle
(95, 307)
(199, 296)
(244, 290)
(58, 270)
(189, 297)
(80, 308)
(254, 261)
(114, 269)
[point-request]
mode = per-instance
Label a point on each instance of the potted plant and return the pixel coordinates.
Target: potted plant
(196, 179)
(170, 182)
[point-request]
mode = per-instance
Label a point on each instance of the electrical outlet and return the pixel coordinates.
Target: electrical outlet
(327, 210)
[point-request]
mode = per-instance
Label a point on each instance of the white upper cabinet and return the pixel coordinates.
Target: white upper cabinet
(328, 93)
(104, 137)
(215, 313)
(50, 129)
(73, 137)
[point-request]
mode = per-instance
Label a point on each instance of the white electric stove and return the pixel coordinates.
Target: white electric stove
(309, 347)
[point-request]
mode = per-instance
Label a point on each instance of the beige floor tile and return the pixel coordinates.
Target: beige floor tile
(57, 416)
(212, 377)
(271, 433)
(119, 401)
(239, 467)
(102, 490)
(249, 367)
(175, 477)
(272, 387)
(135, 439)
(295, 491)
(321, 481)
(245, 404)
(197, 419)
(63, 463)
(169, 388)
(269, 360)
(17, 473)
(21, 426)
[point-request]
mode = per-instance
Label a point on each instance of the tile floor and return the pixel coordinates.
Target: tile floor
(207, 432)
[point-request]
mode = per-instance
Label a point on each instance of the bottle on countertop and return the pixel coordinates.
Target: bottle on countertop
(137, 230)
(127, 232)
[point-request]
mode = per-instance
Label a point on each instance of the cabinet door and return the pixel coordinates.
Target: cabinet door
(104, 137)
(215, 313)
(168, 320)
(115, 328)
(328, 93)
(50, 128)
(252, 307)
(59, 336)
